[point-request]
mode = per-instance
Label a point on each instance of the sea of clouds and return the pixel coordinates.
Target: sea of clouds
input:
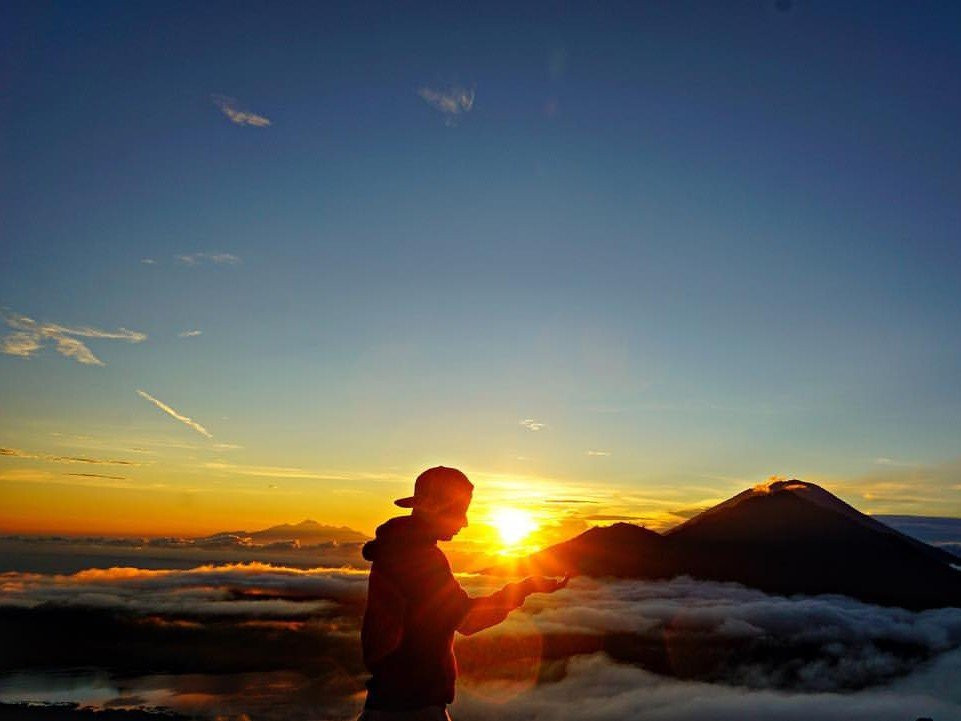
(680, 649)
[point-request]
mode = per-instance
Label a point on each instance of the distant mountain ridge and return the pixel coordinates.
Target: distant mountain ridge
(305, 533)
(786, 537)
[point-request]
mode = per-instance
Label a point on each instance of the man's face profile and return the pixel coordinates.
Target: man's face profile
(447, 521)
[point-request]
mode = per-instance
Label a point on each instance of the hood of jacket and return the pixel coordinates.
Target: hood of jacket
(397, 536)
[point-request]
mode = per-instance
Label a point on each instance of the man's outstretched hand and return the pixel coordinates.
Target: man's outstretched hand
(487, 611)
(543, 584)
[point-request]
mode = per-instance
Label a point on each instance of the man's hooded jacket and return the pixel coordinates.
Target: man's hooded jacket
(414, 605)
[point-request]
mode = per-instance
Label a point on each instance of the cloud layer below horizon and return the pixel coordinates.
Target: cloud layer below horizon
(578, 654)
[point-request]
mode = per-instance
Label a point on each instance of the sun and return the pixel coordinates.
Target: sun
(512, 524)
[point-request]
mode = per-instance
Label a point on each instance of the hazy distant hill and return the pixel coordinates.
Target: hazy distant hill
(788, 537)
(306, 533)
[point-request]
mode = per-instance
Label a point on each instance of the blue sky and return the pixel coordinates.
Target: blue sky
(700, 243)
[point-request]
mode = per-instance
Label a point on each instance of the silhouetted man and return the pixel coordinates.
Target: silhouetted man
(414, 604)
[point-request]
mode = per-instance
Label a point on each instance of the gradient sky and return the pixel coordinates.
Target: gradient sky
(642, 254)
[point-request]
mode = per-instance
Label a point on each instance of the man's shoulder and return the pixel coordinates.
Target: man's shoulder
(415, 566)
(419, 554)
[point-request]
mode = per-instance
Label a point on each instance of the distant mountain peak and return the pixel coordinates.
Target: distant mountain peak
(307, 532)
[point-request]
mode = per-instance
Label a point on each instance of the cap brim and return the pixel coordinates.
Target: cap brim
(405, 502)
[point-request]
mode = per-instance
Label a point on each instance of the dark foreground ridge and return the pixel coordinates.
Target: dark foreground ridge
(74, 712)
(787, 537)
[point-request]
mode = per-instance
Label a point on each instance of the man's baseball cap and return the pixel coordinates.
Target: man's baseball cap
(439, 487)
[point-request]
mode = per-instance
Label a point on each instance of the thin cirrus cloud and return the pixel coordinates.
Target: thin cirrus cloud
(229, 107)
(190, 334)
(98, 475)
(28, 455)
(451, 102)
(30, 336)
(532, 425)
(602, 454)
(193, 259)
(884, 461)
(174, 414)
(296, 473)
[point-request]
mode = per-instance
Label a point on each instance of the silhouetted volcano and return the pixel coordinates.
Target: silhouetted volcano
(814, 494)
(788, 537)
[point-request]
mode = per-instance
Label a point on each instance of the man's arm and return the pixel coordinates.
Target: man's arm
(487, 611)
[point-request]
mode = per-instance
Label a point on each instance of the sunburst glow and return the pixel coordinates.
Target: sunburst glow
(513, 525)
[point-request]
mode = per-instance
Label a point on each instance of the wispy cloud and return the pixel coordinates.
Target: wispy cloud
(21, 344)
(29, 336)
(227, 446)
(171, 412)
(98, 475)
(884, 461)
(150, 446)
(452, 101)
(148, 261)
(296, 473)
(29, 455)
(25, 475)
(599, 453)
(229, 107)
(201, 258)
(95, 461)
(902, 487)
(33, 475)
(190, 334)
(532, 425)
